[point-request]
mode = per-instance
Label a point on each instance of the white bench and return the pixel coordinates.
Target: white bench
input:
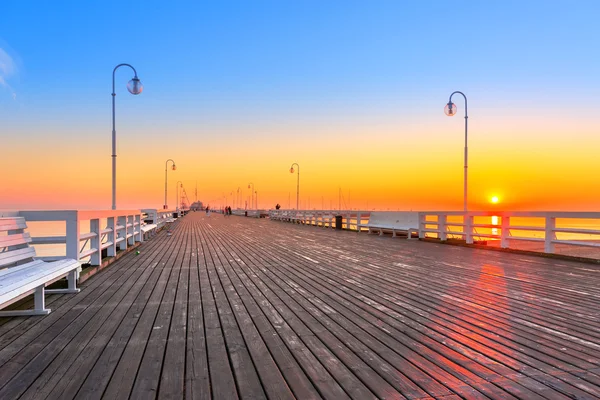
(149, 229)
(405, 222)
(21, 275)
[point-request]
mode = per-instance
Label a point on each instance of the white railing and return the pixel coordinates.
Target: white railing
(507, 228)
(350, 219)
(157, 217)
(83, 235)
(568, 233)
(122, 229)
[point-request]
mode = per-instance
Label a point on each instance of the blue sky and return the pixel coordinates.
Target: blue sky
(302, 54)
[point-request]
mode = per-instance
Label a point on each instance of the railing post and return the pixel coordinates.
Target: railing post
(422, 217)
(442, 227)
(468, 221)
(549, 235)
(137, 222)
(122, 221)
(358, 221)
(504, 231)
(130, 230)
(96, 242)
(73, 235)
(111, 250)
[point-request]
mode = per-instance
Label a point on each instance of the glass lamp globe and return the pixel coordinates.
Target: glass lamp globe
(292, 170)
(174, 167)
(248, 186)
(450, 109)
(135, 86)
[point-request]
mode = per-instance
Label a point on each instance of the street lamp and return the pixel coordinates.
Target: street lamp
(165, 206)
(451, 111)
(177, 185)
(135, 87)
(251, 202)
(298, 184)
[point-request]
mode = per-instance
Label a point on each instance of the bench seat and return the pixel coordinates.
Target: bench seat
(148, 227)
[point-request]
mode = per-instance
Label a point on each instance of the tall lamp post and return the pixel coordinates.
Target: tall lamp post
(177, 186)
(252, 201)
(165, 206)
(451, 111)
(297, 185)
(135, 87)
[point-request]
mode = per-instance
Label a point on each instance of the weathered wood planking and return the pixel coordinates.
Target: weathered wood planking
(233, 307)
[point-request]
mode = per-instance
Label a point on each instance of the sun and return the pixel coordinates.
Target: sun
(494, 199)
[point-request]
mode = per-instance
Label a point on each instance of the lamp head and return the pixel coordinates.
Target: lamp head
(450, 109)
(292, 170)
(174, 167)
(248, 186)
(135, 86)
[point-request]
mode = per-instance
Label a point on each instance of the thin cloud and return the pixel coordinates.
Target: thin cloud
(8, 68)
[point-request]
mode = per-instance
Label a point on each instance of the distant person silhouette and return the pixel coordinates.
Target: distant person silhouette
(277, 207)
(207, 210)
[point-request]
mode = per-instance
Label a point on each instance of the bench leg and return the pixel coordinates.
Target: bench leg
(39, 306)
(72, 279)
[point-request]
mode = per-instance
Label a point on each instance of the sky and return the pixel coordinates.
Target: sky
(352, 91)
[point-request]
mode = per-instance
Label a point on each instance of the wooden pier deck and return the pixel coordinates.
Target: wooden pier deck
(233, 307)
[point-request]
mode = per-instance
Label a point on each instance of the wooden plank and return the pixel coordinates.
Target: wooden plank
(197, 379)
(89, 341)
(112, 338)
(223, 385)
(149, 372)
(173, 376)
(126, 371)
(271, 377)
(244, 370)
(295, 340)
(285, 361)
(347, 356)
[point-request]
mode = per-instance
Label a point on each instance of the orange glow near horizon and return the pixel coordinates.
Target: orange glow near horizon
(375, 168)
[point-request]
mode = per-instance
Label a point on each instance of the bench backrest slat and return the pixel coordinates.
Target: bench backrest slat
(13, 256)
(12, 224)
(14, 243)
(397, 220)
(17, 239)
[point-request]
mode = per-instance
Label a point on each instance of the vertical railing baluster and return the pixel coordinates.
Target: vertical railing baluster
(111, 250)
(73, 233)
(122, 232)
(96, 242)
(549, 234)
(504, 231)
(442, 227)
(468, 221)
